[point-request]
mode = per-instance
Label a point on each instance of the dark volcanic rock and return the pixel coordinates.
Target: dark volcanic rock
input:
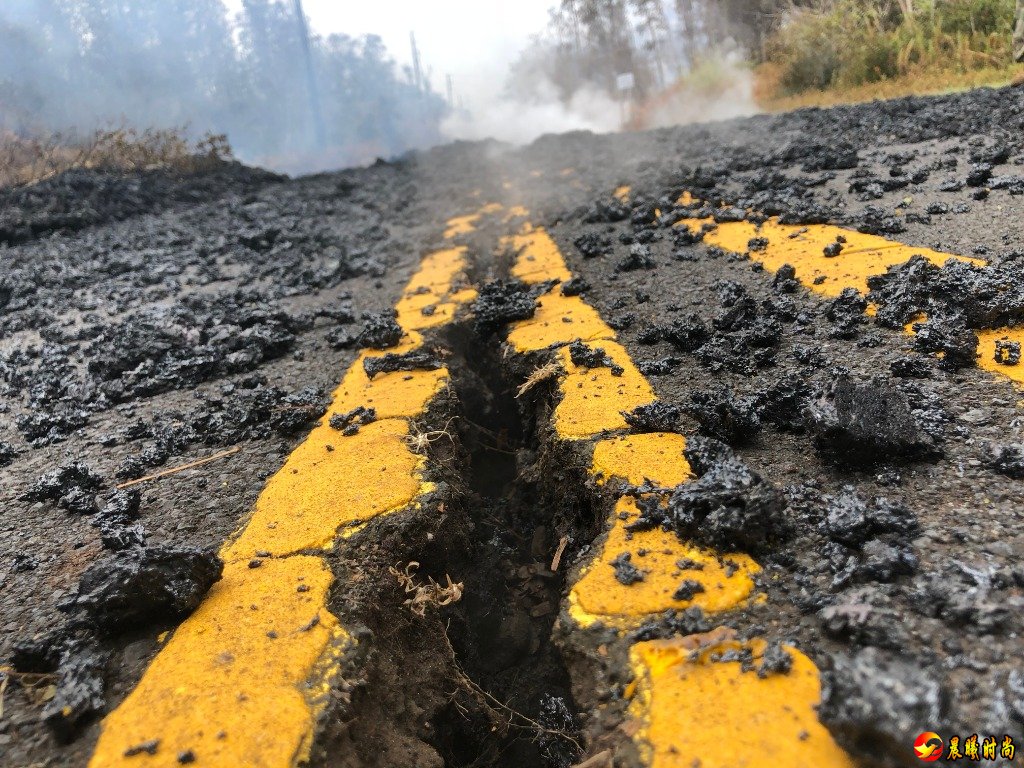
(783, 404)
(851, 521)
(625, 572)
(80, 692)
(876, 704)
(1007, 460)
(593, 244)
(348, 423)
(142, 585)
(584, 356)
(416, 360)
(73, 487)
(867, 424)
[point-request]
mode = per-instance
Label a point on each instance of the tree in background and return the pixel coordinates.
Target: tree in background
(589, 43)
(165, 63)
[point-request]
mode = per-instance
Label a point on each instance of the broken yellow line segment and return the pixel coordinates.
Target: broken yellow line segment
(243, 681)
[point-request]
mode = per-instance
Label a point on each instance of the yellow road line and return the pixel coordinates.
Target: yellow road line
(861, 257)
(243, 680)
(591, 407)
(673, 696)
(684, 693)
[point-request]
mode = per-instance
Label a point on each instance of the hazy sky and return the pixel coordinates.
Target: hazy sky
(473, 40)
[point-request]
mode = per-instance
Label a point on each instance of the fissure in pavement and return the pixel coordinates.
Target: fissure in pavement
(512, 704)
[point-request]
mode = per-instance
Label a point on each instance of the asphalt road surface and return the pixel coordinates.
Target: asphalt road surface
(699, 446)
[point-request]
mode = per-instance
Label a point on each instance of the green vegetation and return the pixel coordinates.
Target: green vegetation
(842, 44)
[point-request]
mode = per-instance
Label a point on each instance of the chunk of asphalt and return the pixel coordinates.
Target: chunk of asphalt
(348, 423)
(417, 360)
(501, 302)
(865, 424)
(729, 507)
(875, 702)
(658, 416)
(583, 356)
(380, 330)
(138, 586)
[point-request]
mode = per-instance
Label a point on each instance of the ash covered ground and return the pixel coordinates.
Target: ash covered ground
(149, 322)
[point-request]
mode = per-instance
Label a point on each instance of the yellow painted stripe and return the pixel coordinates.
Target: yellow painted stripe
(463, 225)
(592, 405)
(695, 709)
(243, 680)
(687, 710)
(802, 247)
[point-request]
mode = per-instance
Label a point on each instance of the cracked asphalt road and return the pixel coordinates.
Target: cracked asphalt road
(182, 319)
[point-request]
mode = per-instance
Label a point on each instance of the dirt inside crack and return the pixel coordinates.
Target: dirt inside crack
(477, 682)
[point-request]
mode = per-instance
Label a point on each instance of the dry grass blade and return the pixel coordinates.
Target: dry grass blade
(181, 468)
(32, 159)
(542, 374)
(418, 441)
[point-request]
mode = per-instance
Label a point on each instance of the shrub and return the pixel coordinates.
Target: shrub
(25, 160)
(848, 43)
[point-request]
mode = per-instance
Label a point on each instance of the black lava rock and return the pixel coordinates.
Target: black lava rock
(416, 360)
(593, 244)
(73, 486)
(723, 416)
(656, 417)
(625, 572)
(80, 692)
(380, 330)
(583, 356)
(348, 423)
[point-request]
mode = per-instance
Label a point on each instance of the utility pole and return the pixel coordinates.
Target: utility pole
(417, 72)
(319, 131)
